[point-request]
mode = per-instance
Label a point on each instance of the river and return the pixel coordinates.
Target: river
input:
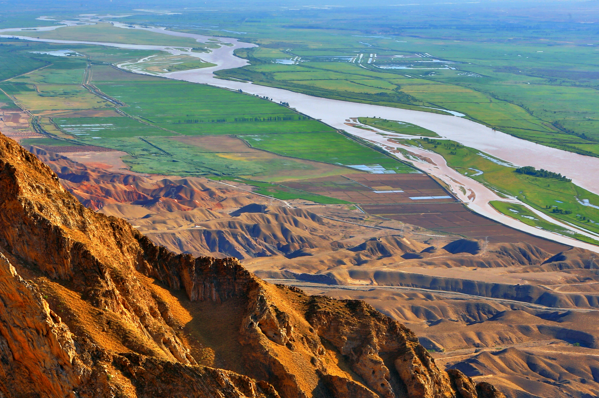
(581, 169)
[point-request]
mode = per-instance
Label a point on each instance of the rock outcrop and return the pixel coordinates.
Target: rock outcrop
(90, 307)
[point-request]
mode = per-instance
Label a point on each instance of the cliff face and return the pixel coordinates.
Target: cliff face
(89, 307)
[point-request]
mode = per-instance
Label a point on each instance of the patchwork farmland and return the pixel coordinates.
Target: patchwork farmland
(419, 200)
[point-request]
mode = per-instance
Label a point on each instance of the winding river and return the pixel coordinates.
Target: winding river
(582, 169)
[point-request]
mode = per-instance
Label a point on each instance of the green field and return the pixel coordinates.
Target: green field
(7, 103)
(328, 147)
(285, 193)
(194, 109)
(558, 199)
(42, 98)
(59, 71)
(526, 216)
(509, 105)
(160, 117)
(46, 142)
(540, 88)
(397, 127)
(99, 128)
(198, 110)
(158, 64)
(331, 80)
(535, 83)
(15, 60)
(109, 34)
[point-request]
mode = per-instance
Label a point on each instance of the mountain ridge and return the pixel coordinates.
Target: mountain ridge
(109, 313)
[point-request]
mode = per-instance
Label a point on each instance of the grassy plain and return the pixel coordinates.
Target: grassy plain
(40, 99)
(161, 118)
(159, 63)
(331, 80)
(265, 125)
(283, 192)
(55, 87)
(490, 81)
(328, 147)
(521, 213)
(106, 33)
(107, 127)
(15, 60)
(11, 19)
(397, 127)
(409, 88)
(483, 80)
(51, 142)
(558, 199)
(538, 84)
(193, 109)
(6, 103)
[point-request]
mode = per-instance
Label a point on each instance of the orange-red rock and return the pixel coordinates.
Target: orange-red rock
(90, 307)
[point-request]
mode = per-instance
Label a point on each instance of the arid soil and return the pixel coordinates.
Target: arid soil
(520, 315)
(15, 124)
(90, 307)
(527, 351)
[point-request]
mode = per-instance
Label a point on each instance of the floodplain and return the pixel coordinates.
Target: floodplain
(501, 293)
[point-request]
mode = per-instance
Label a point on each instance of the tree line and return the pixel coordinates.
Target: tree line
(531, 171)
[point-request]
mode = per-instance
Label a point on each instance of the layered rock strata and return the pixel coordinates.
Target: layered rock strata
(89, 307)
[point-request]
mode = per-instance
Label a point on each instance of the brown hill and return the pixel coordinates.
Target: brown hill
(192, 214)
(460, 296)
(97, 188)
(90, 307)
(457, 330)
(534, 373)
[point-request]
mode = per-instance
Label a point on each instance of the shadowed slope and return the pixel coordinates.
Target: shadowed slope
(123, 329)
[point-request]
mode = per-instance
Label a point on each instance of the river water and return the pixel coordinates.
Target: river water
(582, 170)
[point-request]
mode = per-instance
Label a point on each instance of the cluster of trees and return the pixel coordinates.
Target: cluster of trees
(559, 126)
(451, 146)
(557, 210)
(560, 211)
(531, 171)
(583, 218)
(268, 119)
(244, 119)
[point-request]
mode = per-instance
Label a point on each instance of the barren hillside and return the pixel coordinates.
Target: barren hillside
(463, 297)
(91, 307)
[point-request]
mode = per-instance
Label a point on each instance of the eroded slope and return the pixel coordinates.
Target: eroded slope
(105, 315)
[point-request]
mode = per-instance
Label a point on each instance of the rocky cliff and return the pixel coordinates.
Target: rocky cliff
(89, 307)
